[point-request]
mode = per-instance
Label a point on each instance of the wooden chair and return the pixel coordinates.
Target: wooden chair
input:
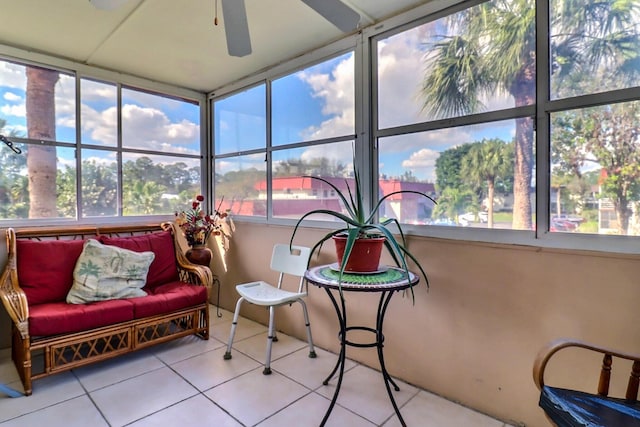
(565, 407)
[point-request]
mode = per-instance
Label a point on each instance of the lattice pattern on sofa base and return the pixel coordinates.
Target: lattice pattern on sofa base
(71, 351)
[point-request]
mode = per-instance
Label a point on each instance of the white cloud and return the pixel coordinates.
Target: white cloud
(422, 163)
(13, 75)
(12, 97)
(337, 94)
(340, 153)
(13, 110)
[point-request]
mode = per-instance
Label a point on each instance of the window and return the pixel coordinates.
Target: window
(128, 153)
(470, 67)
(595, 126)
(260, 165)
(522, 123)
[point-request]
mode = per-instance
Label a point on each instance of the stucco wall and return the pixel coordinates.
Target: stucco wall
(474, 335)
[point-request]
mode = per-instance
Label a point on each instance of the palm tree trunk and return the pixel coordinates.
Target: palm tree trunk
(523, 91)
(523, 172)
(621, 206)
(490, 195)
(41, 160)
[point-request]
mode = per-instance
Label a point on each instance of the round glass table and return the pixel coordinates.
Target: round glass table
(386, 281)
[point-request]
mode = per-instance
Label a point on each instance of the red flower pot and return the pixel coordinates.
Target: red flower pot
(365, 255)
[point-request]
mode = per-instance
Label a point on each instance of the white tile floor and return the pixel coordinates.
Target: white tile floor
(187, 383)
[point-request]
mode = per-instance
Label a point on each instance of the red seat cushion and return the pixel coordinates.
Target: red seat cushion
(167, 298)
(163, 269)
(45, 268)
(60, 318)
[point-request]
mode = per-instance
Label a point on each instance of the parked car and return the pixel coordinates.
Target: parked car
(558, 224)
(576, 219)
(471, 217)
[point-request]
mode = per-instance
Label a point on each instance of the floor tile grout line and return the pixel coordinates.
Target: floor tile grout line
(88, 394)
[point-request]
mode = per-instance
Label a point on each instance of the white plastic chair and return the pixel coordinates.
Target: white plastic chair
(286, 262)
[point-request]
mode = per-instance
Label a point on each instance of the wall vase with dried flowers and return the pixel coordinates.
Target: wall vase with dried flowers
(197, 226)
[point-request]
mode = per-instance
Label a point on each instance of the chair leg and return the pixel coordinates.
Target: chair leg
(234, 324)
(267, 365)
(312, 351)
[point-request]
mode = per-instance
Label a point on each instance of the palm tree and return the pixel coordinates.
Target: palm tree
(485, 163)
(451, 202)
(495, 50)
(41, 159)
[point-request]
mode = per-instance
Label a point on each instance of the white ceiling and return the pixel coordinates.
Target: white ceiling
(175, 41)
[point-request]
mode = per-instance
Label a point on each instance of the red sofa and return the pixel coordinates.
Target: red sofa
(39, 274)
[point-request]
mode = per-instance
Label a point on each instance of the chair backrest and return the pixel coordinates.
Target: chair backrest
(287, 261)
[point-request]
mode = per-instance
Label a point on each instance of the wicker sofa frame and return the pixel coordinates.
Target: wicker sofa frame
(68, 351)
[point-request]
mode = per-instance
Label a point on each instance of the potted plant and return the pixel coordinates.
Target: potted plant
(362, 226)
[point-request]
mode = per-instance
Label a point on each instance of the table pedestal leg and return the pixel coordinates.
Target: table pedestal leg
(382, 308)
(379, 344)
(342, 319)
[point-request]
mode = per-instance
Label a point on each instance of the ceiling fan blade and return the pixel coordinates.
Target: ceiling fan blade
(236, 27)
(336, 12)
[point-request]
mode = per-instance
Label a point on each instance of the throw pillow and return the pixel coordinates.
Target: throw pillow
(45, 268)
(105, 272)
(163, 268)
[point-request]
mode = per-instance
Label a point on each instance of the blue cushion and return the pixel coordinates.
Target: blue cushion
(569, 408)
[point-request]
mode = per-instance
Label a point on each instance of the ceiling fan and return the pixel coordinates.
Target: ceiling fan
(237, 28)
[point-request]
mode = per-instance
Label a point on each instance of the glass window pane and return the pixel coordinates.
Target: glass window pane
(240, 121)
(595, 170)
(293, 195)
(241, 181)
(594, 46)
(155, 184)
(314, 103)
(159, 123)
(99, 181)
(479, 59)
(65, 108)
(37, 103)
(473, 171)
(49, 193)
(99, 113)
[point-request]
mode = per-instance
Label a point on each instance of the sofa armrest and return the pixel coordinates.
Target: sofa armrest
(548, 351)
(189, 272)
(13, 297)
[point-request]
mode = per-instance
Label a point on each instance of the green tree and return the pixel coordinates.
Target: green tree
(142, 198)
(99, 188)
(13, 204)
(608, 138)
(451, 202)
(487, 163)
(448, 166)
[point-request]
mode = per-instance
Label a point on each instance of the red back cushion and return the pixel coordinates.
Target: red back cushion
(163, 269)
(45, 268)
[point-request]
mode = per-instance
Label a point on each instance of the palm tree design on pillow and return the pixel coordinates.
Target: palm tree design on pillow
(87, 269)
